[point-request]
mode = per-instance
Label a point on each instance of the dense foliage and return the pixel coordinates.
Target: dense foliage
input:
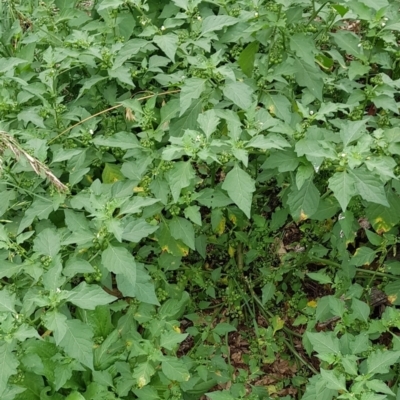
(177, 176)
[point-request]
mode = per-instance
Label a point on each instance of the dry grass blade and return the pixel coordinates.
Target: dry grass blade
(8, 142)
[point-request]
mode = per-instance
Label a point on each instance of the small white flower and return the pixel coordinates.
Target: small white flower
(383, 23)
(58, 290)
(359, 45)
(163, 28)
(199, 18)
(183, 77)
(343, 155)
(311, 112)
(143, 23)
(256, 14)
(386, 19)
(198, 138)
(91, 131)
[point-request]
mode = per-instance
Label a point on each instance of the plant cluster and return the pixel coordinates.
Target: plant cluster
(178, 175)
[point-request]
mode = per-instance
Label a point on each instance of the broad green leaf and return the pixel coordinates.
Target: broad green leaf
(103, 5)
(363, 256)
(224, 395)
(175, 369)
(120, 261)
(39, 209)
(169, 244)
(75, 396)
(208, 122)
(168, 44)
(360, 309)
(8, 269)
(351, 131)
(369, 186)
(324, 342)
(8, 364)
(77, 342)
(192, 213)
(136, 205)
(268, 292)
(111, 173)
(77, 266)
(349, 42)
(122, 140)
(217, 22)
(304, 47)
(278, 105)
(239, 93)
(309, 76)
(179, 177)
(333, 381)
(315, 148)
(282, 160)
(270, 141)
(143, 373)
(47, 243)
(7, 301)
(137, 229)
(240, 187)
(89, 297)
(379, 361)
(223, 328)
(182, 229)
(303, 203)
(247, 58)
(379, 386)
(191, 89)
(170, 340)
(342, 185)
(56, 322)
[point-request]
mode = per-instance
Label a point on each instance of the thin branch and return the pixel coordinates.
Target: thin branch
(107, 110)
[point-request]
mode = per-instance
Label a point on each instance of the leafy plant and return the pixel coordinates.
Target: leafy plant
(175, 174)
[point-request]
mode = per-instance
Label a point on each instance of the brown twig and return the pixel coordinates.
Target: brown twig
(109, 109)
(8, 142)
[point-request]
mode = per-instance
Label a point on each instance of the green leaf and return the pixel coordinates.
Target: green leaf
(349, 42)
(217, 22)
(363, 256)
(309, 76)
(342, 185)
(109, 4)
(379, 361)
(268, 292)
(182, 229)
(192, 213)
(89, 297)
(304, 47)
(270, 141)
(122, 140)
(360, 309)
(77, 342)
(180, 177)
(333, 381)
(247, 58)
(136, 205)
(191, 89)
(121, 262)
(75, 396)
(112, 173)
(175, 369)
(170, 340)
(47, 243)
(7, 301)
(239, 93)
(303, 203)
(379, 386)
(224, 395)
(168, 243)
(369, 186)
(168, 44)
(324, 342)
(208, 122)
(223, 328)
(240, 187)
(56, 322)
(137, 229)
(8, 364)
